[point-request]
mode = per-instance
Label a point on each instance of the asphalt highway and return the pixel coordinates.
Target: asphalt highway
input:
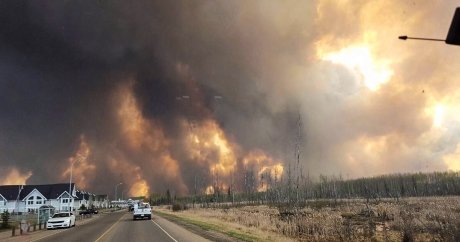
(119, 226)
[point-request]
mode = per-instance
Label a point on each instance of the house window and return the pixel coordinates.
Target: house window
(65, 200)
(30, 201)
(39, 200)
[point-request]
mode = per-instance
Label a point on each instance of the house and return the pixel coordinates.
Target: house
(28, 198)
(84, 198)
(101, 201)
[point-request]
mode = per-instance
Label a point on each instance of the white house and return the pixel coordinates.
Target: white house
(101, 201)
(84, 198)
(28, 198)
(3, 201)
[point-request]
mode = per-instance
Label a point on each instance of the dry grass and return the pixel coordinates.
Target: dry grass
(411, 219)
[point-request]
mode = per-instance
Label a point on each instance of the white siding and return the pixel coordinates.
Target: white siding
(3, 203)
(58, 204)
(33, 201)
(55, 203)
(12, 206)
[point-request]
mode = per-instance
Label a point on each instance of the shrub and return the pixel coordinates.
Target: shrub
(5, 219)
(178, 207)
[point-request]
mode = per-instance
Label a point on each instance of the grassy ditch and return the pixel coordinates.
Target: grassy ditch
(211, 227)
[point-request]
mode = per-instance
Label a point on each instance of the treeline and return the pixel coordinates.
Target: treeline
(295, 190)
(389, 186)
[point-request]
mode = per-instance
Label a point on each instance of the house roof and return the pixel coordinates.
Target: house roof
(50, 191)
(9, 192)
(82, 195)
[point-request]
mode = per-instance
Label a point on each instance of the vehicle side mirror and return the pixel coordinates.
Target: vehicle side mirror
(453, 36)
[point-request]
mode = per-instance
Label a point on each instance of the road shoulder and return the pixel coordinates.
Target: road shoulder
(207, 230)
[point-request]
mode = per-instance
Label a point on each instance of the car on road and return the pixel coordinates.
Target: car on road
(142, 210)
(61, 220)
(88, 211)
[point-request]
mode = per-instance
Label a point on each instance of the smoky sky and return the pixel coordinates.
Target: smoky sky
(64, 65)
(60, 62)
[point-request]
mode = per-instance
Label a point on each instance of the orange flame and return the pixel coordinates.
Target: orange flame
(144, 137)
(83, 169)
(208, 144)
(136, 184)
(267, 168)
(209, 190)
(137, 130)
(15, 177)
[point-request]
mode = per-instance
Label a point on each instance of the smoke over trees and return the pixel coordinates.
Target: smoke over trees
(107, 80)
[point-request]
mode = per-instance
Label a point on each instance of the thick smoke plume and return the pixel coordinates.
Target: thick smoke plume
(155, 94)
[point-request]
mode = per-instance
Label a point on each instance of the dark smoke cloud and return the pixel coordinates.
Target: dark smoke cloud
(65, 67)
(62, 61)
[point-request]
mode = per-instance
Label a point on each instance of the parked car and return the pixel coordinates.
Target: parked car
(61, 220)
(88, 211)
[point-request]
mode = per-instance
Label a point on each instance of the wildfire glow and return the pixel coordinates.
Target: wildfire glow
(136, 129)
(145, 138)
(452, 161)
(135, 183)
(268, 169)
(368, 152)
(438, 116)
(209, 145)
(275, 171)
(437, 113)
(140, 186)
(359, 60)
(209, 190)
(14, 177)
(83, 169)
(268, 174)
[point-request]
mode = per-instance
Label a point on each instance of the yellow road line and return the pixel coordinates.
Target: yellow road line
(100, 237)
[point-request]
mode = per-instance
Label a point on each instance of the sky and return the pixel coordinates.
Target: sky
(184, 95)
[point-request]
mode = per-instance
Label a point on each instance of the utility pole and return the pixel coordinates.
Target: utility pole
(233, 187)
(194, 198)
(116, 192)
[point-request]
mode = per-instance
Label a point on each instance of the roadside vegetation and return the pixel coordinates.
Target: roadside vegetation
(409, 219)
(399, 207)
(5, 217)
(295, 190)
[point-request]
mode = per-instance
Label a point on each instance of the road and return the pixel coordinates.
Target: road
(119, 226)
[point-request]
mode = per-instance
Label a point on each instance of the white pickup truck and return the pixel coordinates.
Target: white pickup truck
(142, 210)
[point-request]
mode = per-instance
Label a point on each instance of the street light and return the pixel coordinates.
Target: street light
(453, 36)
(405, 37)
(70, 180)
(116, 188)
(188, 115)
(17, 202)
